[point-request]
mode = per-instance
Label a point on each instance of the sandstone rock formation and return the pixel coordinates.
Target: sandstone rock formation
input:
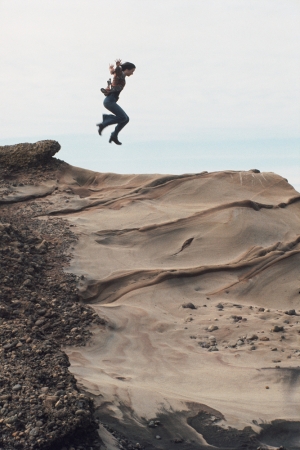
(28, 155)
(197, 279)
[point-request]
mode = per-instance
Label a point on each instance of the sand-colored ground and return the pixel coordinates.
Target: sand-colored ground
(227, 242)
(148, 247)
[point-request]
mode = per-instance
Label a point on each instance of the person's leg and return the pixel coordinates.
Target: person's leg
(121, 124)
(119, 117)
(108, 119)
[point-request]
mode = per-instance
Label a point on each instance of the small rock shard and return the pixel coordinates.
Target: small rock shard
(189, 305)
(277, 328)
(212, 328)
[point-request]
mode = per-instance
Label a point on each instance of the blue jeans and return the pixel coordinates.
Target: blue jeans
(119, 116)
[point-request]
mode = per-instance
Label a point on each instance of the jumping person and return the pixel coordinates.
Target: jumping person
(112, 92)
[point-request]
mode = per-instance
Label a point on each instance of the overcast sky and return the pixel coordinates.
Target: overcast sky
(217, 84)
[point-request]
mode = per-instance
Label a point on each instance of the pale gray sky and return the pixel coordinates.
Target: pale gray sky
(217, 84)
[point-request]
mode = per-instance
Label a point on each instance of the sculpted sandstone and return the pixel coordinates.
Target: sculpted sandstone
(196, 280)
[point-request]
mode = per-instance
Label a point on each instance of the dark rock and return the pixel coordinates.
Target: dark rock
(236, 318)
(5, 312)
(188, 305)
(26, 154)
(291, 312)
(252, 337)
(277, 328)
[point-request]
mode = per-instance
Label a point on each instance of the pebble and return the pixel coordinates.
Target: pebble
(17, 387)
(252, 337)
(212, 328)
(213, 349)
(34, 431)
(40, 322)
(291, 312)
(80, 412)
(277, 328)
(236, 318)
(189, 305)
(11, 419)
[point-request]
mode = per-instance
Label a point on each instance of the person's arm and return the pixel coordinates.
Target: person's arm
(113, 70)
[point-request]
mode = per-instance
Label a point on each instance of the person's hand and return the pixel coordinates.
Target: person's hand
(111, 66)
(118, 62)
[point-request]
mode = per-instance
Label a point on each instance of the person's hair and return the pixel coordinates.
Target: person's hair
(127, 65)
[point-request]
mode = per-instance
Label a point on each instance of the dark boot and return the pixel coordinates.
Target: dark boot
(100, 128)
(114, 139)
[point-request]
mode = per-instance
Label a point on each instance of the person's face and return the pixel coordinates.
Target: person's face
(129, 72)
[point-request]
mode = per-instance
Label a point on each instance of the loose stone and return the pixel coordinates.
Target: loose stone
(212, 328)
(252, 337)
(189, 305)
(291, 312)
(277, 328)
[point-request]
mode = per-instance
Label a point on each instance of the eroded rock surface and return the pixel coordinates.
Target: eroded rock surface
(196, 278)
(28, 155)
(41, 406)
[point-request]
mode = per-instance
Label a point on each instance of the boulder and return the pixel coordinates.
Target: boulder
(28, 155)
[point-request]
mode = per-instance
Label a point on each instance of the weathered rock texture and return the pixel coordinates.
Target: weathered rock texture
(196, 278)
(41, 406)
(28, 155)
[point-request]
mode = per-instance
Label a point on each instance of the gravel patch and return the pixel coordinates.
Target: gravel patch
(41, 406)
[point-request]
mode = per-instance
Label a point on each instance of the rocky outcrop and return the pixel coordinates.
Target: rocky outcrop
(28, 155)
